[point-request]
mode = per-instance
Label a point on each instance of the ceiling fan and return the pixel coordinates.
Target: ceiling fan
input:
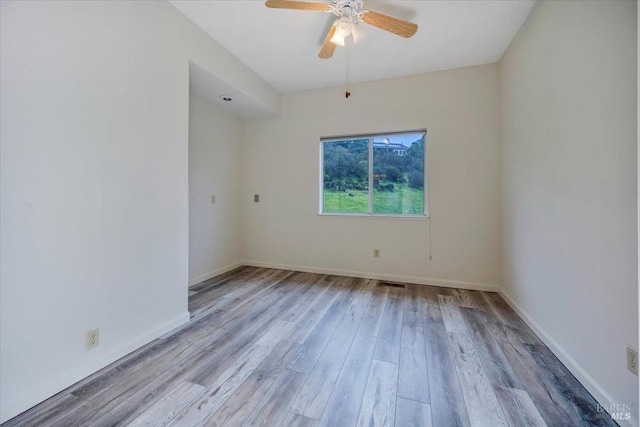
(350, 13)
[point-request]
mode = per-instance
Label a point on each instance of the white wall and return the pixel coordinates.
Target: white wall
(215, 168)
(94, 183)
(460, 110)
(568, 119)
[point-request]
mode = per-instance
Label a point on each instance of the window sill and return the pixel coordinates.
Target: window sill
(378, 216)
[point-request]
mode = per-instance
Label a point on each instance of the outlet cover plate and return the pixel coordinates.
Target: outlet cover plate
(632, 359)
(92, 339)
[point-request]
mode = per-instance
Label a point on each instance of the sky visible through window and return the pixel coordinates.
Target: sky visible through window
(404, 139)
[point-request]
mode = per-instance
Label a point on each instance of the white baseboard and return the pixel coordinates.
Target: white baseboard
(24, 401)
(592, 386)
(377, 276)
(201, 278)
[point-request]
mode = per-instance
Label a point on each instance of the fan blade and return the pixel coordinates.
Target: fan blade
(393, 25)
(299, 5)
(328, 48)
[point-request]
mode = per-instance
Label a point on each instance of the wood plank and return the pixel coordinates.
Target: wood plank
(451, 314)
(165, 410)
(360, 302)
(340, 342)
(243, 334)
(573, 393)
(251, 307)
(525, 335)
(412, 414)
(210, 293)
(314, 394)
(205, 320)
(241, 292)
(48, 412)
(273, 407)
(373, 315)
(447, 402)
(216, 395)
(503, 311)
(125, 401)
(480, 301)
(412, 299)
(482, 404)
(388, 344)
(413, 378)
(500, 330)
(379, 401)
(519, 408)
(217, 358)
(316, 391)
(222, 281)
(240, 272)
(463, 298)
(242, 402)
(297, 420)
(318, 339)
(506, 316)
(493, 360)
(343, 407)
(550, 403)
(319, 286)
(266, 292)
(509, 333)
(305, 327)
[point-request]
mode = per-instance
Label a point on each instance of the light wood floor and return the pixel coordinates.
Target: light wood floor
(272, 347)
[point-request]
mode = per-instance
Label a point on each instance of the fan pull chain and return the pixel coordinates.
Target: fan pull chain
(347, 89)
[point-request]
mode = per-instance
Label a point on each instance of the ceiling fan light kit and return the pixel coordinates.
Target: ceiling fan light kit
(343, 26)
(358, 33)
(337, 39)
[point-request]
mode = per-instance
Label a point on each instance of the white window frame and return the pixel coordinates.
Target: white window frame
(371, 214)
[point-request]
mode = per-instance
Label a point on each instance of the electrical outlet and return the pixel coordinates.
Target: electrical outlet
(632, 359)
(92, 339)
(376, 253)
(256, 198)
(213, 199)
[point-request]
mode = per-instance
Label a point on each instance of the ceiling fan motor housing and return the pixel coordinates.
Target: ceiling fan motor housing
(347, 8)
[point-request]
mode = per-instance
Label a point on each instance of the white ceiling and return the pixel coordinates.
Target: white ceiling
(282, 45)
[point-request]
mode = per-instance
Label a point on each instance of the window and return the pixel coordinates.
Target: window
(382, 174)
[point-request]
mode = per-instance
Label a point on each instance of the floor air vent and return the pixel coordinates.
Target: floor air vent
(392, 285)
